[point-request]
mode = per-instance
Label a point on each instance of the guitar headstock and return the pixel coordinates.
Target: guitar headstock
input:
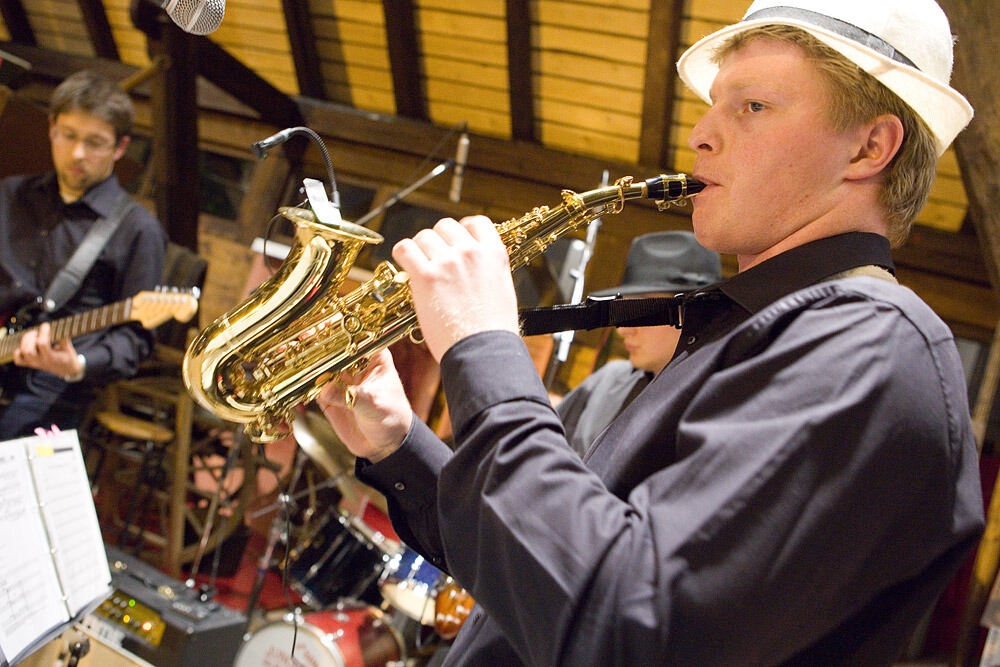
(153, 308)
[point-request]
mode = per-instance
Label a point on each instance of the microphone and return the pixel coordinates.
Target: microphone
(461, 158)
(197, 17)
(260, 148)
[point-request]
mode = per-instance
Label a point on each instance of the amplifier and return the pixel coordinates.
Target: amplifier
(161, 620)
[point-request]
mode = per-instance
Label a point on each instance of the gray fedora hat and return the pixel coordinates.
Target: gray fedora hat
(666, 262)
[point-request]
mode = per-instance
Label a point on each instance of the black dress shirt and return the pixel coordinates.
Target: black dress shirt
(795, 487)
(39, 233)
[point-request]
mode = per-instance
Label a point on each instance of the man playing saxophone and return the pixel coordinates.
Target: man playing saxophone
(800, 482)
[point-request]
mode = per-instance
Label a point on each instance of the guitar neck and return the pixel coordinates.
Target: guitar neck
(72, 326)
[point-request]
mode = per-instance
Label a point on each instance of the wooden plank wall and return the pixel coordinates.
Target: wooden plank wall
(351, 41)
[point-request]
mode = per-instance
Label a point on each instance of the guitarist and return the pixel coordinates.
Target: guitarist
(43, 220)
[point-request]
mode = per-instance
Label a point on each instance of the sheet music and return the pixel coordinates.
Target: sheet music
(70, 517)
(30, 600)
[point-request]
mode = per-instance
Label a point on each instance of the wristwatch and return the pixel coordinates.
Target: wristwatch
(76, 377)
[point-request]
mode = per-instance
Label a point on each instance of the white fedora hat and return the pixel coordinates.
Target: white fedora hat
(905, 44)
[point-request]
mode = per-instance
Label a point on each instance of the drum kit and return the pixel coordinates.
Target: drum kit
(368, 600)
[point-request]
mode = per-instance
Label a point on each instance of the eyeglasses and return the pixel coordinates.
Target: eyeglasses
(93, 145)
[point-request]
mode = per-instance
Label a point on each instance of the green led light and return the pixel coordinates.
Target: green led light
(131, 603)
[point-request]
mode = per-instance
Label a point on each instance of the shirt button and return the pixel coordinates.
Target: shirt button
(691, 340)
(399, 486)
(43, 233)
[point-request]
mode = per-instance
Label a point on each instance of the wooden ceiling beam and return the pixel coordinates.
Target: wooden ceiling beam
(404, 58)
(16, 20)
(501, 156)
(522, 95)
(305, 55)
(665, 19)
(231, 75)
(95, 18)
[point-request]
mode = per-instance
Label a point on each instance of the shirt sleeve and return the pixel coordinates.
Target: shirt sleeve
(811, 479)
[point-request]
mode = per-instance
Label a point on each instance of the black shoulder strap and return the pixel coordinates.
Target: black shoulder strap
(603, 312)
(69, 279)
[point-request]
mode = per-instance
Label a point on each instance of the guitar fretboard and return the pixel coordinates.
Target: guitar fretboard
(72, 326)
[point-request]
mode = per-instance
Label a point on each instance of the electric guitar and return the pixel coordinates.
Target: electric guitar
(150, 308)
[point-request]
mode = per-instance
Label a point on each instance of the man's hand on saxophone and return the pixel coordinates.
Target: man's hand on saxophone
(380, 417)
(460, 279)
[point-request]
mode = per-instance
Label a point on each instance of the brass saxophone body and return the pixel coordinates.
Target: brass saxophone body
(295, 333)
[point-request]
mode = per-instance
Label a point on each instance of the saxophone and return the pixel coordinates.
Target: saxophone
(296, 333)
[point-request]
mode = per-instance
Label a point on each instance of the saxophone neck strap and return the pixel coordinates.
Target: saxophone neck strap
(593, 313)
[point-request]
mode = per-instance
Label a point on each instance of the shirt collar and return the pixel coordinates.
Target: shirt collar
(794, 269)
(101, 198)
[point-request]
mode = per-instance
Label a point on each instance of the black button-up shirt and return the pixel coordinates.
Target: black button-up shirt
(795, 487)
(38, 235)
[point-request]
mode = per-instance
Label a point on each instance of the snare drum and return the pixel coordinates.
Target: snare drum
(409, 584)
(358, 637)
(343, 558)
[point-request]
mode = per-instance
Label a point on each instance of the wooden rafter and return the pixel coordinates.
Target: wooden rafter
(231, 75)
(665, 18)
(522, 97)
(404, 58)
(95, 18)
(305, 55)
(16, 20)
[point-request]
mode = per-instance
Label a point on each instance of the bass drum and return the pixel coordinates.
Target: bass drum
(343, 558)
(347, 637)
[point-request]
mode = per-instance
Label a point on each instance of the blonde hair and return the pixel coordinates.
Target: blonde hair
(910, 174)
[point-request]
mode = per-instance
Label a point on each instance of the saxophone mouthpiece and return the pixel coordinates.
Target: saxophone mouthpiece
(672, 189)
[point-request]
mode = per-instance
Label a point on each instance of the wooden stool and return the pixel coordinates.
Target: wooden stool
(143, 443)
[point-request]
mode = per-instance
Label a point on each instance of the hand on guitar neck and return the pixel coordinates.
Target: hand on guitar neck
(49, 347)
(37, 350)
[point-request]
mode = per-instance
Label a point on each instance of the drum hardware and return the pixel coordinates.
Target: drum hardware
(409, 584)
(278, 532)
(213, 507)
(347, 635)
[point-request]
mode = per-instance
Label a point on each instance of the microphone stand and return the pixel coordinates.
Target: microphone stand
(564, 339)
(400, 194)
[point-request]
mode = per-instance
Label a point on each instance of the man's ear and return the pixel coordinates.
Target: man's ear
(880, 140)
(122, 145)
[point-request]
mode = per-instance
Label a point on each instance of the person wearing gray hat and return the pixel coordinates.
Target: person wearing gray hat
(800, 482)
(658, 264)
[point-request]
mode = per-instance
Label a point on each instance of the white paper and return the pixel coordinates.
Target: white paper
(30, 599)
(71, 519)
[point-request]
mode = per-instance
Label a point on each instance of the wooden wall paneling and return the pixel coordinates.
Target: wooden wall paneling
(16, 22)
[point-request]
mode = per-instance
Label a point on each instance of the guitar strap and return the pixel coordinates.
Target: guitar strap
(70, 277)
